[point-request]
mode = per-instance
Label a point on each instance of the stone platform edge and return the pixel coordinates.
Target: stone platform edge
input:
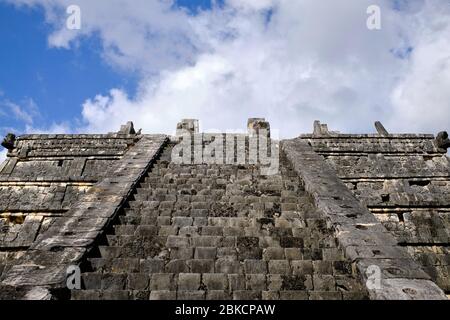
(42, 270)
(365, 241)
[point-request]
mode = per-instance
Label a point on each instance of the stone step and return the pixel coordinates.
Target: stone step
(130, 219)
(126, 229)
(112, 252)
(87, 295)
(107, 295)
(133, 240)
(133, 218)
(136, 229)
(201, 278)
(115, 265)
(219, 232)
(119, 240)
(139, 248)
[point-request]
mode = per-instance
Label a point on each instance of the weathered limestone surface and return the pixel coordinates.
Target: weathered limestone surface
(404, 180)
(219, 231)
(67, 237)
(44, 176)
(364, 240)
(146, 219)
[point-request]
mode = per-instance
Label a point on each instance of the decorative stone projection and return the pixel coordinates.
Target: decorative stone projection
(442, 140)
(8, 142)
(321, 129)
(254, 125)
(19, 231)
(365, 241)
(127, 128)
(381, 129)
(187, 125)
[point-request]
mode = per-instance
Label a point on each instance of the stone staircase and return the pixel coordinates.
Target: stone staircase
(218, 232)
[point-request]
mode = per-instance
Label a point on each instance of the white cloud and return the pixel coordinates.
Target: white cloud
(299, 61)
(3, 153)
(54, 128)
(25, 112)
(145, 36)
(252, 4)
(422, 97)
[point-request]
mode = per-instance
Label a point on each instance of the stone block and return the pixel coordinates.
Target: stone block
(236, 282)
(162, 281)
(270, 295)
(279, 267)
(176, 266)
(325, 295)
(256, 282)
(189, 281)
(113, 281)
(191, 295)
(201, 266)
(322, 267)
(152, 266)
(215, 281)
(163, 295)
(324, 283)
(255, 266)
(227, 266)
(217, 295)
(247, 295)
(91, 281)
(138, 281)
(273, 253)
(205, 253)
(294, 295)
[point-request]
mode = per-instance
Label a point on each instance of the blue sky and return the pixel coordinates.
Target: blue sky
(223, 61)
(56, 79)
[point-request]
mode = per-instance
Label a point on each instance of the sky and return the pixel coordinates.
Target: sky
(155, 62)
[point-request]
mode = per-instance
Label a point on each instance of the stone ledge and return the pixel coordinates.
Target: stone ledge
(369, 245)
(370, 136)
(75, 136)
(408, 289)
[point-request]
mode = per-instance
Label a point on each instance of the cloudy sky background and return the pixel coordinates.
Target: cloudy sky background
(290, 61)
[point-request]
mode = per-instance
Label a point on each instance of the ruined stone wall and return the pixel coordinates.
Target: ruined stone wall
(43, 177)
(66, 199)
(404, 180)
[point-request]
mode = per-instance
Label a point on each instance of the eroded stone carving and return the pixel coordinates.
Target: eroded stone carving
(127, 128)
(255, 124)
(8, 141)
(190, 125)
(442, 140)
(381, 129)
(321, 129)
